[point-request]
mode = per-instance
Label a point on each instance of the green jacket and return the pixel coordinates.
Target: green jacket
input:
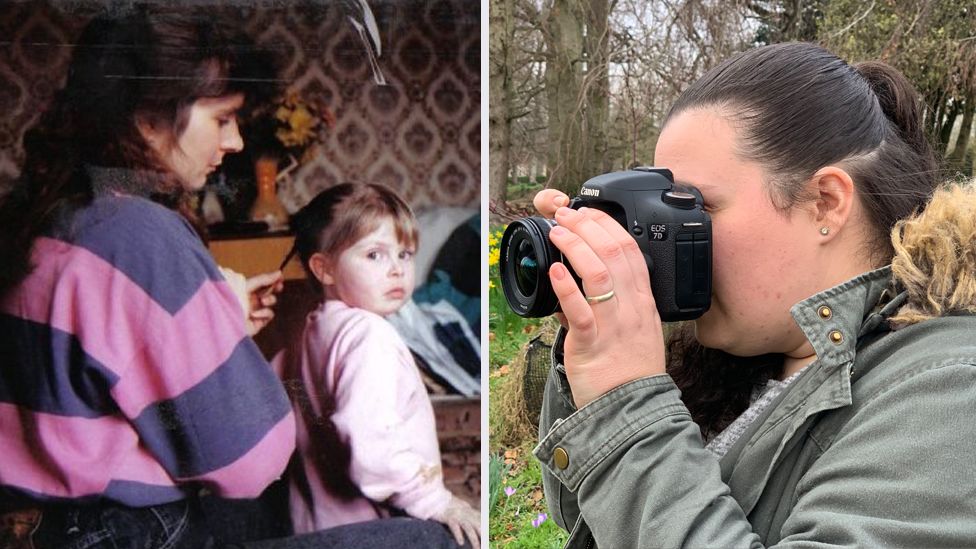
(874, 445)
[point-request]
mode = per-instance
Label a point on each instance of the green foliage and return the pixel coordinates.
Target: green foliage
(523, 189)
(547, 536)
(930, 42)
(511, 331)
(784, 21)
(497, 470)
(510, 517)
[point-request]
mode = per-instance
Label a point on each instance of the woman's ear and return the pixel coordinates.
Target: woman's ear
(321, 267)
(833, 190)
(150, 131)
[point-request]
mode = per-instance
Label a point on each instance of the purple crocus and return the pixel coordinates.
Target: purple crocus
(539, 520)
(509, 491)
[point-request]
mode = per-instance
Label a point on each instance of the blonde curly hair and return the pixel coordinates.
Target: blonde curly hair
(935, 256)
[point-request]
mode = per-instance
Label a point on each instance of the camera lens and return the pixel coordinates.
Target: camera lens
(527, 268)
(526, 255)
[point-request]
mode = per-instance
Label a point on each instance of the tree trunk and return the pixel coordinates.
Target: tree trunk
(633, 146)
(962, 142)
(500, 44)
(597, 87)
(564, 42)
(935, 118)
(945, 131)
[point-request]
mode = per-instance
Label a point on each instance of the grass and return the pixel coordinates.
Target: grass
(522, 189)
(511, 517)
(515, 513)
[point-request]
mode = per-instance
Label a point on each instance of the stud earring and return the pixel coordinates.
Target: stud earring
(825, 230)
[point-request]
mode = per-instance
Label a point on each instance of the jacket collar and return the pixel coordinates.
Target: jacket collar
(832, 321)
(106, 180)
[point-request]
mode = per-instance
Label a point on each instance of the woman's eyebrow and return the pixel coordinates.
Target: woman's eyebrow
(232, 105)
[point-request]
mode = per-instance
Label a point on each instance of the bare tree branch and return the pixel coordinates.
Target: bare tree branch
(854, 22)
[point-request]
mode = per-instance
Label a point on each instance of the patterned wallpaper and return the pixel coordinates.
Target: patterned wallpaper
(420, 134)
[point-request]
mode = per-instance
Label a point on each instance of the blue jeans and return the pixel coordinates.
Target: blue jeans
(182, 525)
(176, 525)
(399, 533)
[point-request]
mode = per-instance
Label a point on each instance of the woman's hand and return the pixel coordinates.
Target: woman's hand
(617, 337)
(463, 521)
(261, 290)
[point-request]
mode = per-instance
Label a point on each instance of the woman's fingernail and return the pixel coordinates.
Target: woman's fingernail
(560, 201)
(558, 271)
(557, 231)
(567, 212)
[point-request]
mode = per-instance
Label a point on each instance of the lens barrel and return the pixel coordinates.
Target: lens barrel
(524, 261)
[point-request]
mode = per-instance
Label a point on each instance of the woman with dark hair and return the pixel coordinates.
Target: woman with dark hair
(129, 383)
(826, 396)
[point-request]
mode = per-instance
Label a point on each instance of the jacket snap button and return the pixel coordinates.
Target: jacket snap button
(561, 458)
(824, 312)
(836, 336)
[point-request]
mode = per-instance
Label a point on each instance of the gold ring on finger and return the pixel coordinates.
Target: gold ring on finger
(599, 298)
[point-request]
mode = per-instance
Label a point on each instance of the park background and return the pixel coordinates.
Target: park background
(580, 87)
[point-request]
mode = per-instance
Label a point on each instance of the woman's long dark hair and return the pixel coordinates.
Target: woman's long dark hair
(799, 108)
(148, 64)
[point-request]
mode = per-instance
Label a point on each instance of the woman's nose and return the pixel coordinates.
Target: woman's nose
(231, 140)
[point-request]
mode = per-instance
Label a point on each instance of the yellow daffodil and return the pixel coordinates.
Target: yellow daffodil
(493, 257)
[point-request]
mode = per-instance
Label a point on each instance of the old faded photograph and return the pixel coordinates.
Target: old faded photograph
(240, 274)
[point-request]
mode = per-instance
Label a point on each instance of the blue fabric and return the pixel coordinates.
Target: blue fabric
(401, 533)
(139, 494)
(455, 275)
(443, 327)
(45, 370)
(452, 337)
(172, 525)
(182, 525)
(155, 240)
(222, 430)
(440, 288)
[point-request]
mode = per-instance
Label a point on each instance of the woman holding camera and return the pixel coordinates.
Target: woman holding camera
(827, 396)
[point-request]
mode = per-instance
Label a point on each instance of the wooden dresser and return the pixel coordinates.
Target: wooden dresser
(256, 254)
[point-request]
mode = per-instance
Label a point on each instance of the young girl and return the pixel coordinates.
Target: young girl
(367, 440)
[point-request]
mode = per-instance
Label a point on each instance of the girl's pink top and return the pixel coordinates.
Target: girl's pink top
(383, 409)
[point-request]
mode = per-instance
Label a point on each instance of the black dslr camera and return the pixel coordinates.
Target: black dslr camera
(668, 223)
